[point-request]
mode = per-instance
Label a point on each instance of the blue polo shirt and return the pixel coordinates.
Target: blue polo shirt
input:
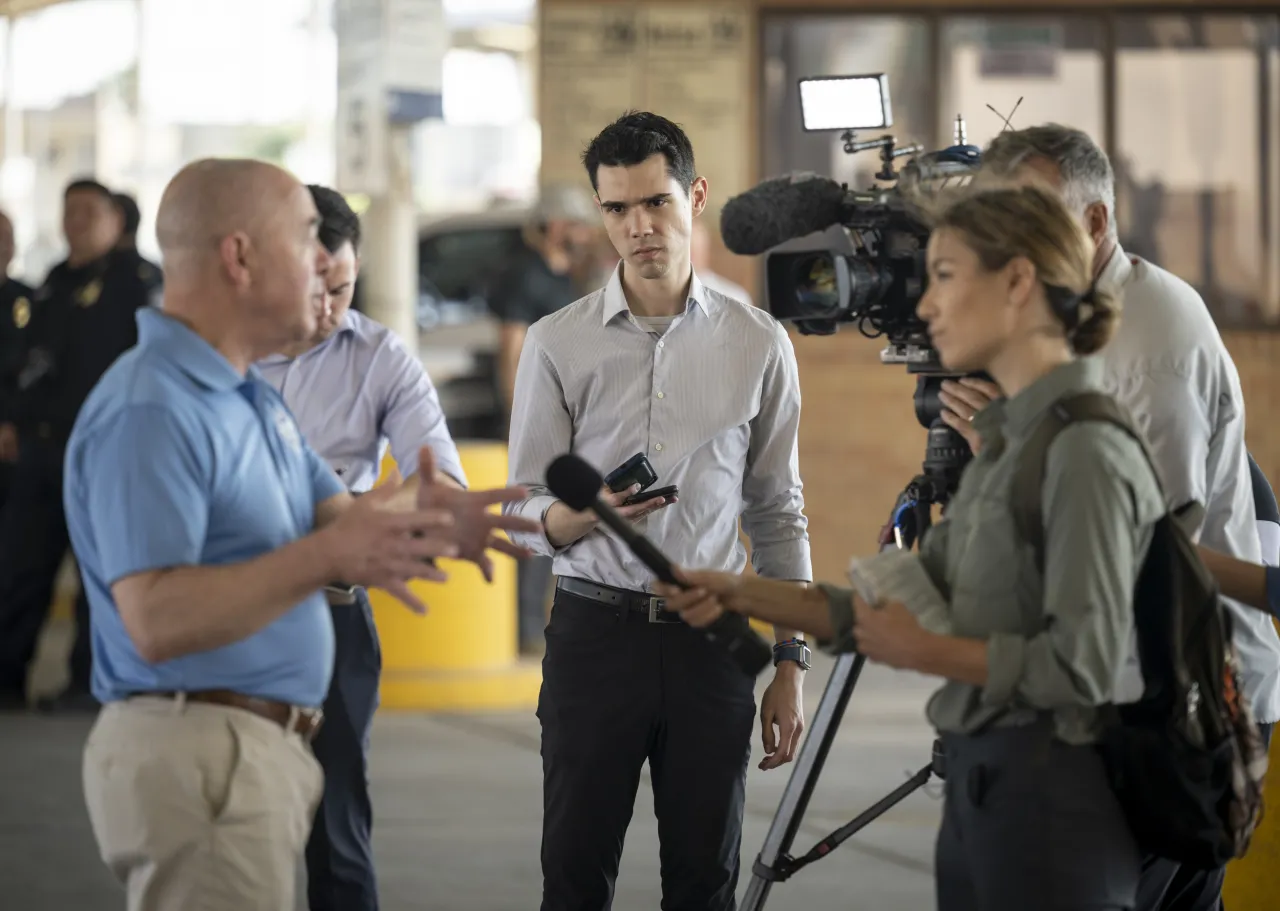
(176, 460)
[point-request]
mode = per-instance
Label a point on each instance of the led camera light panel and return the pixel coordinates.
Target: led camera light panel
(845, 103)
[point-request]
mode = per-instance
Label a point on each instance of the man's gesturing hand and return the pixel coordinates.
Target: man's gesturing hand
(475, 528)
(378, 545)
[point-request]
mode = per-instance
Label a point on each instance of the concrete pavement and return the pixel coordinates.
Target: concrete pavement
(458, 813)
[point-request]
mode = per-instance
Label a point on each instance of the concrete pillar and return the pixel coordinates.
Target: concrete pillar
(389, 256)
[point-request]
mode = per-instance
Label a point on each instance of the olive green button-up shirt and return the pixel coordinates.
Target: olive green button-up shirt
(1057, 642)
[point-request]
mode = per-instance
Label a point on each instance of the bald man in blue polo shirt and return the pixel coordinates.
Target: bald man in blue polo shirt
(205, 528)
(356, 390)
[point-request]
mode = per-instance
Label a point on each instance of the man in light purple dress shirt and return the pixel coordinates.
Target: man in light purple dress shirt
(354, 389)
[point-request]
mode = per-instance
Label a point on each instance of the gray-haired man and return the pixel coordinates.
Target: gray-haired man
(1168, 365)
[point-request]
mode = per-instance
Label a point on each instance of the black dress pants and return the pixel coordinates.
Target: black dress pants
(33, 543)
(339, 854)
(618, 690)
(1170, 886)
(1031, 823)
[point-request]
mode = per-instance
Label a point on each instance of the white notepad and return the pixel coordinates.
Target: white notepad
(898, 575)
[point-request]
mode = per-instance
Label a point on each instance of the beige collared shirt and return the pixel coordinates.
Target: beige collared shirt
(1169, 367)
(713, 401)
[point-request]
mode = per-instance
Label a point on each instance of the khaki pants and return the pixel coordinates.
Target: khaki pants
(199, 807)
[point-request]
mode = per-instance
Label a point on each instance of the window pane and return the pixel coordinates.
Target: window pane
(1048, 68)
(1196, 155)
(797, 46)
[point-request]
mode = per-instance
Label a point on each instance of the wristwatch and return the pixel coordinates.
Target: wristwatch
(796, 650)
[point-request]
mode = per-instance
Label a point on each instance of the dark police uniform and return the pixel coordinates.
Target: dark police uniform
(81, 319)
(526, 292)
(15, 316)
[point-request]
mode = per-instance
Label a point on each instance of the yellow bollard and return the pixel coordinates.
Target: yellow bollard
(462, 656)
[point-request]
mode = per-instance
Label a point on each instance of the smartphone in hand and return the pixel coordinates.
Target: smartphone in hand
(646, 495)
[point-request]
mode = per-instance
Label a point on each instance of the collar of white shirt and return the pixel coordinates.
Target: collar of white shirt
(1115, 274)
(615, 300)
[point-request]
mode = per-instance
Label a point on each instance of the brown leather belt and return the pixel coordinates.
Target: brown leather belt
(297, 719)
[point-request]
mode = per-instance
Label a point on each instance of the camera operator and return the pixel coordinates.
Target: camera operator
(1027, 655)
(707, 387)
(1170, 369)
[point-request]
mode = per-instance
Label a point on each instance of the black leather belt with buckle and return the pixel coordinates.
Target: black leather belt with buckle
(637, 602)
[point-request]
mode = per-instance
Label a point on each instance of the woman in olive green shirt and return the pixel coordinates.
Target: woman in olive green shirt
(1030, 821)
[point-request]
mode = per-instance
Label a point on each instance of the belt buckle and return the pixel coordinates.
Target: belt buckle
(313, 719)
(656, 607)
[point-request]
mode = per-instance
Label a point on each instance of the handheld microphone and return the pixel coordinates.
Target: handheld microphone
(779, 210)
(578, 484)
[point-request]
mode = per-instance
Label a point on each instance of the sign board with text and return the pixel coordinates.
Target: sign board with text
(689, 62)
(390, 70)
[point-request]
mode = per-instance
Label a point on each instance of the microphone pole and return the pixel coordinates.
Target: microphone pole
(578, 484)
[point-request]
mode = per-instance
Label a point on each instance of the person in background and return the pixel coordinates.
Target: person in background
(354, 388)
(15, 316)
(82, 319)
(130, 220)
(536, 283)
(701, 255)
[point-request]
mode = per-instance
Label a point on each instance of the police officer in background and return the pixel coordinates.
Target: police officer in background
(354, 387)
(537, 282)
(82, 319)
(130, 219)
(15, 314)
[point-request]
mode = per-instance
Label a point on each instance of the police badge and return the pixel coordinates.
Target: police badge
(90, 293)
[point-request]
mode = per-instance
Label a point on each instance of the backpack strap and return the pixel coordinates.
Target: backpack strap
(1028, 478)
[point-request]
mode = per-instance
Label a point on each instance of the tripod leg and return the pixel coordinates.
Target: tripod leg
(808, 765)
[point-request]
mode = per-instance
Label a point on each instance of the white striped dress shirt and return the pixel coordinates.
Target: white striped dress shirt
(714, 401)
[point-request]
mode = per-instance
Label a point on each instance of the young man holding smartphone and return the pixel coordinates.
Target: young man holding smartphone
(356, 390)
(706, 389)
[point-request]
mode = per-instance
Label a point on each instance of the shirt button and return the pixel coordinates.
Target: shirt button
(661, 344)
(658, 446)
(662, 395)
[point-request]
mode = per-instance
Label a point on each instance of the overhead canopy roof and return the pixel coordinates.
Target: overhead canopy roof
(18, 7)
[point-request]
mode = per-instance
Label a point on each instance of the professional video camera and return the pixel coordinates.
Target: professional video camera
(835, 256)
(867, 264)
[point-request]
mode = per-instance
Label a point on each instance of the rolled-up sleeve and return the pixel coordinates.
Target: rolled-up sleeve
(413, 417)
(541, 430)
(773, 514)
(1096, 533)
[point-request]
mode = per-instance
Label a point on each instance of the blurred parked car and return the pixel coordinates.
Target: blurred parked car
(459, 257)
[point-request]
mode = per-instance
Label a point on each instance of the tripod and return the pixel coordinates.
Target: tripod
(945, 457)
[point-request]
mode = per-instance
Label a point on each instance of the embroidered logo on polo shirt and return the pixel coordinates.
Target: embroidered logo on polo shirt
(288, 430)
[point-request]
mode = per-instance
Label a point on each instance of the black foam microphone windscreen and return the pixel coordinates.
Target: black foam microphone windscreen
(781, 209)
